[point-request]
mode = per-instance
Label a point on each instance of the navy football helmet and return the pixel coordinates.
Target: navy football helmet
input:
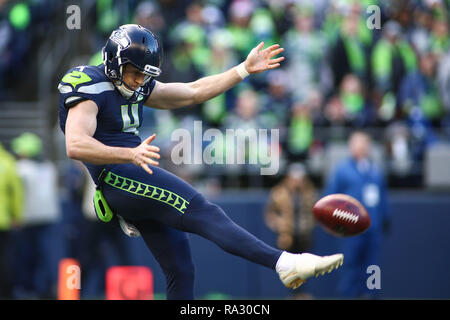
(134, 44)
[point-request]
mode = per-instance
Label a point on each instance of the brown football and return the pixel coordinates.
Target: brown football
(341, 215)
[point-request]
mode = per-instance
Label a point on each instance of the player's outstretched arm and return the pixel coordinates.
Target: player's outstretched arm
(81, 124)
(176, 95)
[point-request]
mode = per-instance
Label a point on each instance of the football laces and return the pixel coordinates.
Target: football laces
(345, 215)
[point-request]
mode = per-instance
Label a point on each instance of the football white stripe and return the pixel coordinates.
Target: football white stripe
(345, 215)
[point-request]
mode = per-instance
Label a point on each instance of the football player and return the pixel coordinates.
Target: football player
(100, 112)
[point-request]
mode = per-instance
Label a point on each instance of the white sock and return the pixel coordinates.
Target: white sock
(285, 261)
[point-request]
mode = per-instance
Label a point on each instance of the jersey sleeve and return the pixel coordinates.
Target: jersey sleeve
(83, 83)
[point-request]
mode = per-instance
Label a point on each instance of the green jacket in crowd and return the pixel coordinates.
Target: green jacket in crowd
(11, 191)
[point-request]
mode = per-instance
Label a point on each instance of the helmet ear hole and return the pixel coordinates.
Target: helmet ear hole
(143, 40)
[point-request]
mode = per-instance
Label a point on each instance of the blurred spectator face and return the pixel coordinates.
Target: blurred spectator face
(440, 28)
(304, 21)
(404, 16)
(355, 9)
(277, 90)
(433, 3)
(219, 52)
(276, 5)
(351, 17)
(392, 38)
(423, 18)
(295, 176)
(301, 110)
(247, 104)
(350, 25)
(351, 85)
(277, 83)
(213, 17)
(221, 42)
(351, 93)
(334, 111)
(359, 145)
(392, 31)
(241, 12)
(194, 13)
(428, 64)
(148, 16)
(2, 3)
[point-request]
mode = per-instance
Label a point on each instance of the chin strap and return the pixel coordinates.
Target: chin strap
(122, 87)
(126, 93)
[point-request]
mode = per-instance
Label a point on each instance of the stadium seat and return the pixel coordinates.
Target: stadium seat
(436, 170)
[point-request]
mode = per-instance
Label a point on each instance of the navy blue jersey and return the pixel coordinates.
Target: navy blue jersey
(118, 120)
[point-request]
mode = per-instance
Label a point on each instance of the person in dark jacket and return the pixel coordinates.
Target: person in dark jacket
(359, 177)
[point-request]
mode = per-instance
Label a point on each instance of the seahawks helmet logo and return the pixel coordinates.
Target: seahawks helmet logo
(121, 38)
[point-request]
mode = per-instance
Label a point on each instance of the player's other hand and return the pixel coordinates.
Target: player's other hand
(259, 60)
(144, 154)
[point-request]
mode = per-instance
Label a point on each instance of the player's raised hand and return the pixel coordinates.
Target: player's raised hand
(259, 59)
(144, 154)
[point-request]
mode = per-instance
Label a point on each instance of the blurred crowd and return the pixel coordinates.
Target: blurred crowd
(47, 214)
(348, 65)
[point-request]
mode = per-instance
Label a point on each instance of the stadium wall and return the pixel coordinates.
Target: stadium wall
(415, 257)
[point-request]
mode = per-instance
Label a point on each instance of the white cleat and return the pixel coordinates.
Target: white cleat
(308, 265)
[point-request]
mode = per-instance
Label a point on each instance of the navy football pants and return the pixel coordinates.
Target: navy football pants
(163, 207)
